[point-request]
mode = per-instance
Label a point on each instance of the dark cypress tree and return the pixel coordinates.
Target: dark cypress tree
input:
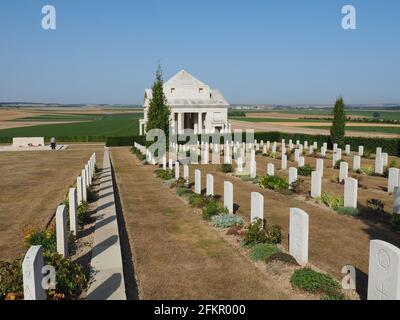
(158, 114)
(339, 123)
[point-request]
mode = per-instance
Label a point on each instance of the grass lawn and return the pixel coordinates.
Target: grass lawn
(96, 126)
(392, 130)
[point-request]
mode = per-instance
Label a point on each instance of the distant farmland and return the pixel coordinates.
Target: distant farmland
(94, 127)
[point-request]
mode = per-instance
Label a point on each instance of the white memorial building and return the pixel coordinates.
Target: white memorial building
(193, 104)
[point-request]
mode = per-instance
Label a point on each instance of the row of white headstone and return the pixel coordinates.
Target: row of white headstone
(33, 264)
(384, 263)
(384, 258)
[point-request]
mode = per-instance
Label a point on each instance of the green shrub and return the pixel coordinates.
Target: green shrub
(45, 238)
(376, 205)
(83, 215)
(395, 222)
(314, 282)
(92, 196)
(69, 275)
(226, 168)
(224, 221)
(348, 211)
(11, 284)
(258, 232)
(247, 178)
(124, 141)
(299, 186)
(273, 182)
(337, 164)
(181, 191)
(213, 208)
(164, 174)
(262, 251)
(305, 171)
(369, 171)
(196, 200)
(330, 200)
(281, 256)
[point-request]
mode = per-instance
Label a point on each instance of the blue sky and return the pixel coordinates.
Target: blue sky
(255, 51)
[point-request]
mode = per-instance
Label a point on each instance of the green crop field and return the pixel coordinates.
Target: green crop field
(61, 117)
(383, 114)
(391, 130)
(97, 128)
(274, 119)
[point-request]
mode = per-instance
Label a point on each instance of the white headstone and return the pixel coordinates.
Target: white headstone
(62, 231)
(270, 169)
(177, 171)
(344, 171)
(356, 162)
(385, 158)
(316, 184)
(186, 172)
(84, 188)
(360, 151)
(379, 165)
(384, 271)
(239, 169)
(197, 181)
(292, 175)
(79, 190)
(164, 162)
(320, 166)
(228, 196)
(335, 147)
(378, 152)
(347, 149)
(284, 162)
(72, 208)
(396, 200)
(323, 151)
(87, 176)
(296, 155)
(302, 162)
(32, 274)
(393, 179)
(257, 206)
(253, 169)
(350, 192)
(210, 185)
(298, 235)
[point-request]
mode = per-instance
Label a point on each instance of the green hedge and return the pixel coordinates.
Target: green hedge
(124, 141)
(391, 146)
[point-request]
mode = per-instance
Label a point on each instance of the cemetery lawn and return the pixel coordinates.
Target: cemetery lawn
(176, 255)
(329, 231)
(94, 125)
(33, 184)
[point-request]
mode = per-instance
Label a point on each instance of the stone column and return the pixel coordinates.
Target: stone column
(180, 122)
(200, 122)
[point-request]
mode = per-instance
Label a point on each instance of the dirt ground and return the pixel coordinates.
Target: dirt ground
(176, 254)
(34, 183)
(293, 127)
(335, 240)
